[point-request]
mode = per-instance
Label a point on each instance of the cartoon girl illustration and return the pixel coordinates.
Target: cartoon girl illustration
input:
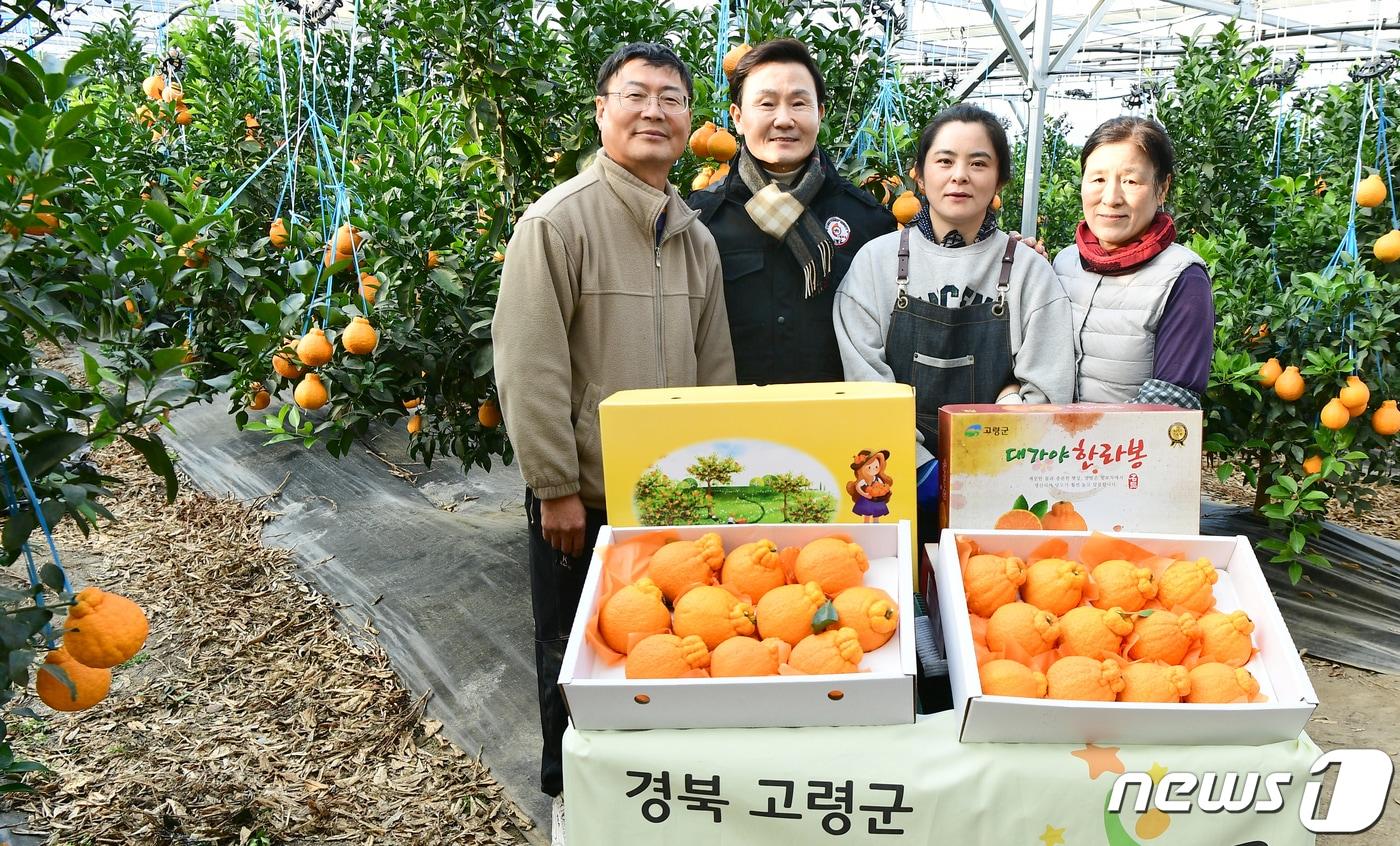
(871, 489)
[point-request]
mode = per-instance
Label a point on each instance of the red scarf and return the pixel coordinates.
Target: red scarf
(1160, 234)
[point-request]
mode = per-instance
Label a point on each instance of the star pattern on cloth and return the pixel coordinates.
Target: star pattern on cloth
(1101, 759)
(1052, 836)
(1157, 772)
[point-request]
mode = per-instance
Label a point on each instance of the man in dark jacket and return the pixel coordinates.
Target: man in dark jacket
(786, 224)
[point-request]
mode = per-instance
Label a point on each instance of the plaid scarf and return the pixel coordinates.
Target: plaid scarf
(782, 213)
(954, 238)
(1160, 234)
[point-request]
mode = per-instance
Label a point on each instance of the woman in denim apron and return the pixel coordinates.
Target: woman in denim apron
(951, 304)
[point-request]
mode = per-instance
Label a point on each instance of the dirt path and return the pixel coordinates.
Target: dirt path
(253, 715)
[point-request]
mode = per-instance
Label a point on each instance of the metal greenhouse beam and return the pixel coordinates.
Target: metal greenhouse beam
(1247, 11)
(975, 75)
(1035, 140)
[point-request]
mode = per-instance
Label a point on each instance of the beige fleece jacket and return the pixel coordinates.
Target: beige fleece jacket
(592, 303)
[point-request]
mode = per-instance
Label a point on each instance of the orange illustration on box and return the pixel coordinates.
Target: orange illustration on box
(870, 491)
(1060, 517)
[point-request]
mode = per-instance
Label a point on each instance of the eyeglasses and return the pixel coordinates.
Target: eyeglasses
(637, 101)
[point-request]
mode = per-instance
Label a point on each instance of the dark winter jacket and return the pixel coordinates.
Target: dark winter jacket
(778, 335)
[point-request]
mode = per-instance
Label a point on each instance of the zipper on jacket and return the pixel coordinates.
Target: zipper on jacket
(660, 323)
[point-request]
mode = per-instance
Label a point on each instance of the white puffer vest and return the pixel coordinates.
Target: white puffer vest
(1115, 320)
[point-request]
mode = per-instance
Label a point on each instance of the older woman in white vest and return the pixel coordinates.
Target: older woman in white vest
(1143, 316)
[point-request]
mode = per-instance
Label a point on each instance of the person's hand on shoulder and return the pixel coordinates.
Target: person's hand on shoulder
(1038, 246)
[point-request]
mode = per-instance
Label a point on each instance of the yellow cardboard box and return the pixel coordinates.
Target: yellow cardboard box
(834, 452)
(1119, 468)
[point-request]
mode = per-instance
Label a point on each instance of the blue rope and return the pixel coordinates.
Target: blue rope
(1348, 244)
(38, 514)
(12, 505)
(1383, 154)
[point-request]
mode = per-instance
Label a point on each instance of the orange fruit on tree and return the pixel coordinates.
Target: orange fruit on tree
(193, 256)
(996, 202)
(432, 260)
(410, 404)
(1055, 584)
(1269, 372)
(173, 93)
(1019, 519)
(905, 207)
(1063, 518)
(310, 394)
(1335, 415)
(991, 581)
(744, 656)
(720, 173)
(635, 609)
(369, 287)
(1218, 683)
(1004, 677)
(722, 145)
(1386, 419)
(666, 656)
(282, 360)
(360, 337)
(1355, 396)
(1387, 247)
(714, 614)
(277, 233)
(347, 240)
(832, 651)
(730, 63)
(1021, 627)
(489, 414)
(681, 565)
(90, 684)
(753, 569)
(700, 140)
(702, 179)
(415, 424)
(1370, 192)
(1226, 638)
(1289, 385)
(314, 349)
(183, 116)
(1312, 464)
(1163, 636)
(1122, 584)
(786, 612)
(1084, 679)
(1093, 632)
(870, 612)
(153, 86)
(104, 629)
(1187, 584)
(1149, 681)
(833, 563)
(258, 398)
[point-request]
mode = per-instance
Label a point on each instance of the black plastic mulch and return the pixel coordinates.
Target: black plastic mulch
(1349, 613)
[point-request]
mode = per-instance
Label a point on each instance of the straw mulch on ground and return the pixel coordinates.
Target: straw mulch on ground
(253, 715)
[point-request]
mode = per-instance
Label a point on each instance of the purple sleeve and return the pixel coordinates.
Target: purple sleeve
(1185, 334)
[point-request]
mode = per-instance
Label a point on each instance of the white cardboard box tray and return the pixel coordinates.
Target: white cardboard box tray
(602, 697)
(1282, 678)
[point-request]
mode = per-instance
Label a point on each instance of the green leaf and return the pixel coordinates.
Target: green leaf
(153, 450)
(167, 359)
(1295, 572)
(52, 575)
(42, 451)
(1040, 509)
(825, 617)
(1296, 540)
(161, 214)
(18, 527)
(1020, 504)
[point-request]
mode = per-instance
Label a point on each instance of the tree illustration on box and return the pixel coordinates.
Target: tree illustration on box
(816, 507)
(788, 484)
(713, 469)
(661, 501)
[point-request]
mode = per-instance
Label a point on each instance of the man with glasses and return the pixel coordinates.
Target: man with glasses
(610, 283)
(787, 224)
